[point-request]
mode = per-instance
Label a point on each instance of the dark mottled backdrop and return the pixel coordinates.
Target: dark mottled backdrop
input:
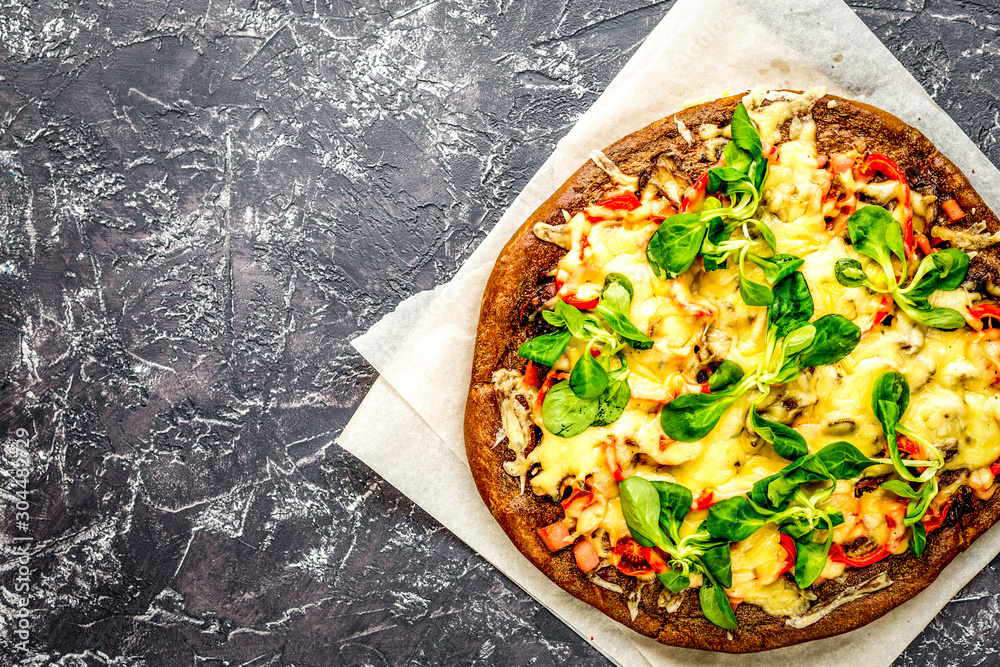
(203, 203)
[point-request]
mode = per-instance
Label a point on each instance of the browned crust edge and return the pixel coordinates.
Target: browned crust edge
(518, 276)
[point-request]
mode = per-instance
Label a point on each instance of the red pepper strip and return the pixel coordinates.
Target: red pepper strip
(884, 165)
(531, 378)
(578, 500)
(889, 169)
(880, 314)
(623, 202)
(789, 545)
(571, 300)
(549, 381)
(986, 312)
(586, 556)
(704, 501)
(837, 555)
(655, 557)
(700, 186)
(610, 450)
(555, 536)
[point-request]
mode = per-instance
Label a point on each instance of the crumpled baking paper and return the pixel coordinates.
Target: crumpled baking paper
(409, 427)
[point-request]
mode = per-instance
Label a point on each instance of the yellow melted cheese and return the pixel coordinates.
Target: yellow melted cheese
(700, 316)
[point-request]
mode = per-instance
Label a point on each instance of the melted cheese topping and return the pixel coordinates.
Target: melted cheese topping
(700, 316)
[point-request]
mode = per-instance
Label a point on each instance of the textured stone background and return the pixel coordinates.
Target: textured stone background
(203, 202)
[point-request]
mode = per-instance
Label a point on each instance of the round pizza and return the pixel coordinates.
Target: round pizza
(737, 382)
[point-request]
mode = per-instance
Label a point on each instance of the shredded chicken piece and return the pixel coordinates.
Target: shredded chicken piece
(856, 592)
(614, 173)
(967, 239)
(557, 234)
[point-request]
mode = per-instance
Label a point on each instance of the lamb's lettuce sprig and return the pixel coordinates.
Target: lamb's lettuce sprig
(791, 500)
(709, 233)
(876, 234)
(597, 390)
(654, 513)
(890, 398)
(793, 343)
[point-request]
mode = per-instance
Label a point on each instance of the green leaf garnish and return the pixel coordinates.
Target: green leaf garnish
(654, 512)
(791, 501)
(547, 348)
(876, 234)
(564, 413)
(588, 379)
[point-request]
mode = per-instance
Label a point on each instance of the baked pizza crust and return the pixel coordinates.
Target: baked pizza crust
(520, 282)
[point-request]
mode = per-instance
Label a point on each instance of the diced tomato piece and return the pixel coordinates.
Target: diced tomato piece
(789, 546)
(555, 536)
(841, 163)
(995, 468)
(820, 161)
(924, 244)
(837, 555)
(656, 558)
(953, 210)
(626, 201)
(549, 381)
(630, 560)
(586, 556)
(847, 203)
(704, 501)
(531, 378)
(705, 389)
(584, 244)
(987, 312)
(594, 352)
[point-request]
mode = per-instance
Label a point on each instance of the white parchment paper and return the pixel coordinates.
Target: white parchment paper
(428, 340)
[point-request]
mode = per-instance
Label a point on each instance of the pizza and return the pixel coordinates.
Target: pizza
(736, 384)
